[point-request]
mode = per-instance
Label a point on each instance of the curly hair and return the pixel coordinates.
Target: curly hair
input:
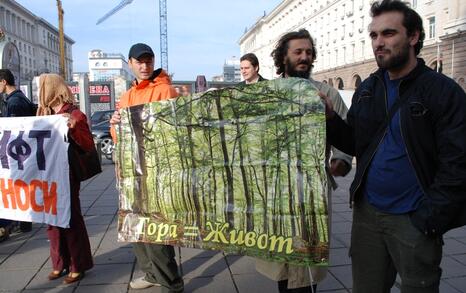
(411, 19)
(281, 49)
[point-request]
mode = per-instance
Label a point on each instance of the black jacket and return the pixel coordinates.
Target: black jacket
(433, 126)
(18, 105)
(260, 79)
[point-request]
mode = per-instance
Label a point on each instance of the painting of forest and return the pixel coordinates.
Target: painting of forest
(239, 169)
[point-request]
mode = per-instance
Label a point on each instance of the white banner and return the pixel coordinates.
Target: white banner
(34, 170)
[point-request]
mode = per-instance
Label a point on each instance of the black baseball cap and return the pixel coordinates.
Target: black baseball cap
(139, 49)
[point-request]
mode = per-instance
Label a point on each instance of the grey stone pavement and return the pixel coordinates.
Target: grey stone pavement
(25, 264)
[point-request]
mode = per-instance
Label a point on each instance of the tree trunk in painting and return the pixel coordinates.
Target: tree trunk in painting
(300, 182)
(140, 204)
(228, 172)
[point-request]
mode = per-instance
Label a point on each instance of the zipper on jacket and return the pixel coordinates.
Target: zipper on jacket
(378, 145)
(411, 161)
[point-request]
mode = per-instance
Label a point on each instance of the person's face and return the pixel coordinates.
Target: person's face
(248, 71)
(2, 86)
(392, 47)
(298, 60)
(185, 91)
(142, 68)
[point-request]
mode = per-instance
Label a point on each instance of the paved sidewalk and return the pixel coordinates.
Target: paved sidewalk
(25, 264)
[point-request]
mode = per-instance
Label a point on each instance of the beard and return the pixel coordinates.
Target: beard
(291, 71)
(395, 61)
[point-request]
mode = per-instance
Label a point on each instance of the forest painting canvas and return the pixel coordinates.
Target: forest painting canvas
(238, 169)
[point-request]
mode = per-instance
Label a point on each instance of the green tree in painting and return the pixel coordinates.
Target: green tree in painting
(249, 156)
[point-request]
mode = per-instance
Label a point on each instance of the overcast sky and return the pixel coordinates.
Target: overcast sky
(201, 34)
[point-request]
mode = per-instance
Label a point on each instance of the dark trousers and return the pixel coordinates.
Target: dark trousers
(159, 265)
(383, 245)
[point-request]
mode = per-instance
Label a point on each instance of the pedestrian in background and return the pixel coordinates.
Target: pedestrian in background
(249, 67)
(15, 104)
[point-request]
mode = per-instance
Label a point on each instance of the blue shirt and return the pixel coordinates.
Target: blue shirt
(391, 184)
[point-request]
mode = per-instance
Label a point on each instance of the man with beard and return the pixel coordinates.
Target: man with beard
(294, 56)
(407, 129)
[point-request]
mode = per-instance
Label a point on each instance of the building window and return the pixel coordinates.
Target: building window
(432, 27)
(414, 4)
(363, 45)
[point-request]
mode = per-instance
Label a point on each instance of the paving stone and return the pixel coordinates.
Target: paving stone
(340, 207)
(187, 253)
(335, 242)
(51, 290)
(461, 258)
(337, 218)
(341, 228)
(10, 245)
(347, 215)
(329, 284)
(108, 274)
(204, 267)
(101, 211)
(453, 246)
(85, 202)
(343, 275)
(98, 220)
(344, 238)
(32, 254)
(456, 233)
(241, 264)
(445, 287)
(122, 255)
(123, 288)
(15, 280)
(457, 283)
(255, 282)
(209, 285)
(339, 256)
(452, 268)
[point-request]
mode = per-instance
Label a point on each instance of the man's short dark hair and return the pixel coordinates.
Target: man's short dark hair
(281, 49)
(252, 58)
(6, 75)
(412, 21)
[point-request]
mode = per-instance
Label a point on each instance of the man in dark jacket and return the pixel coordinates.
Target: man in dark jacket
(249, 67)
(407, 129)
(15, 105)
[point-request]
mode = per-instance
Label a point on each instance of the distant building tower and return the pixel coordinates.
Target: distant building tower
(201, 84)
(107, 66)
(231, 70)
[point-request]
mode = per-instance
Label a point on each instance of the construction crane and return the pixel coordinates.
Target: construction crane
(61, 40)
(163, 28)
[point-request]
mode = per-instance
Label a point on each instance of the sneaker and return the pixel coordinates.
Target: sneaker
(142, 283)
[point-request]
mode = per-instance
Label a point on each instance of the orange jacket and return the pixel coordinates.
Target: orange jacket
(147, 91)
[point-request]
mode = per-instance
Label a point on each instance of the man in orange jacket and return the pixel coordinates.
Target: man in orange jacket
(156, 261)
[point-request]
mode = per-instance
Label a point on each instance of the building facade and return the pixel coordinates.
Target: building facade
(107, 66)
(37, 41)
(340, 32)
(231, 70)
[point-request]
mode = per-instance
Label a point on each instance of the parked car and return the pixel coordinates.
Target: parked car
(100, 116)
(101, 131)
